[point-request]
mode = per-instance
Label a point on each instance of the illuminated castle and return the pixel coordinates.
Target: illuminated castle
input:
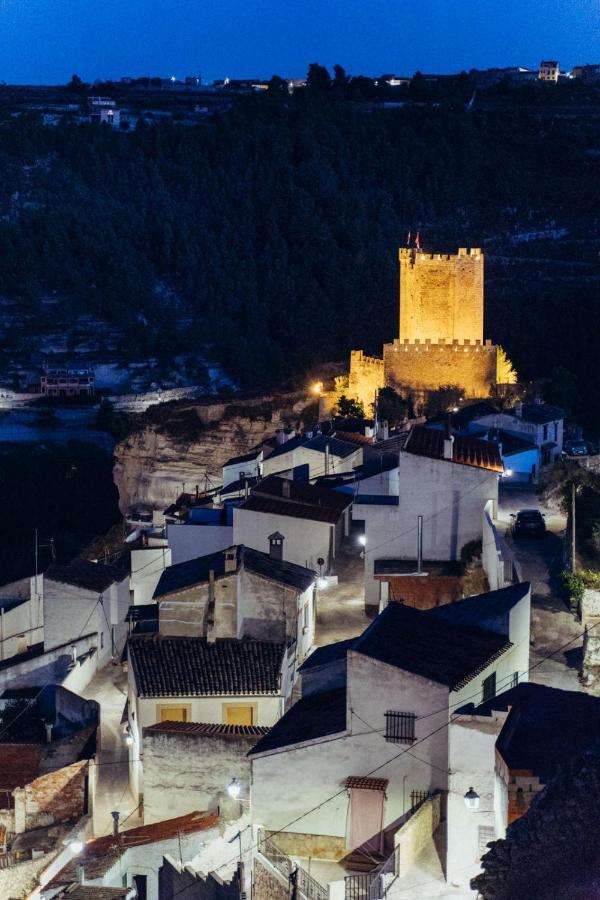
(441, 334)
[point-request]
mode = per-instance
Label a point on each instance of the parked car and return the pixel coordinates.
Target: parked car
(577, 448)
(528, 523)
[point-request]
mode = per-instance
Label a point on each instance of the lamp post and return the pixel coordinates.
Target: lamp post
(471, 799)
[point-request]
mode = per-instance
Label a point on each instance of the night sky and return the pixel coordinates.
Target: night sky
(46, 41)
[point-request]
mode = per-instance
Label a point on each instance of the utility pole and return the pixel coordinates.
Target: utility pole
(573, 536)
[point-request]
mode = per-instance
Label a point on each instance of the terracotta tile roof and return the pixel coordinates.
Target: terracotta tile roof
(195, 667)
(19, 765)
(466, 450)
(100, 855)
(367, 784)
(301, 492)
(354, 437)
(288, 508)
(92, 892)
(85, 574)
(207, 729)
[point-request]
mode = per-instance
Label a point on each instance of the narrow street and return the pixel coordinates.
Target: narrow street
(109, 689)
(554, 629)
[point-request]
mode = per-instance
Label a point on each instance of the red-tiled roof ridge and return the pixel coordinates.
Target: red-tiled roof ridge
(354, 437)
(365, 783)
(206, 729)
(466, 450)
(100, 854)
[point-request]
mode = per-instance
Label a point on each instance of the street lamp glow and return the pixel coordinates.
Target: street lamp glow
(507, 473)
(321, 583)
(317, 387)
(362, 540)
(129, 739)
(233, 788)
(471, 799)
(76, 846)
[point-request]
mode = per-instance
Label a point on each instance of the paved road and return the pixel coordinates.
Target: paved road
(540, 561)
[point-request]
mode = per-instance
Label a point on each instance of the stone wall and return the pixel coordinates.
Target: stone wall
(267, 885)
(186, 772)
(441, 295)
(423, 592)
(428, 366)
(366, 378)
(316, 846)
(56, 797)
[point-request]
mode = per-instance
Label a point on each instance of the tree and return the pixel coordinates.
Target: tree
(350, 409)
(340, 82)
(278, 86)
(391, 406)
(76, 85)
(444, 399)
(318, 80)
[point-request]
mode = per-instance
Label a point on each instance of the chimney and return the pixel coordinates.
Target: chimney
(48, 726)
(448, 446)
(285, 489)
(230, 561)
(116, 815)
(276, 545)
(327, 458)
(80, 875)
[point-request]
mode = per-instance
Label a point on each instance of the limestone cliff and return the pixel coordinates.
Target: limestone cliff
(183, 443)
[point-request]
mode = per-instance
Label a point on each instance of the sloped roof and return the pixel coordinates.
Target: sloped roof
(367, 784)
(78, 891)
(538, 413)
(196, 571)
(546, 727)
(353, 437)
(483, 610)
(337, 447)
(245, 457)
(444, 652)
(287, 446)
(85, 574)
(235, 487)
(511, 443)
(275, 507)
(311, 717)
(19, 765)
(100, 855)
(207, 729)
(301, 492)
(466, 450)
(194, 667)
(330, 653)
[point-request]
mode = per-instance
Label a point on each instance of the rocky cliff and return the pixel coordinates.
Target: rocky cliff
(187, 442)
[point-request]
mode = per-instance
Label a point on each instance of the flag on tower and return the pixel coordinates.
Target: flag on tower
(408, 240)
(418, 241)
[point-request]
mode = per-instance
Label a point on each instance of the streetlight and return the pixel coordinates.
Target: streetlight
(362, 540)
(471, 799)
(321, 583)
(317, 387)
(233, 788)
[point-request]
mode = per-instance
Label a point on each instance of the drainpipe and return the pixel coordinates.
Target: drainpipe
(116, 815)
(419, 544)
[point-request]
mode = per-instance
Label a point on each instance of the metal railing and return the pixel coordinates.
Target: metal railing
(307, 886)
(373, 885)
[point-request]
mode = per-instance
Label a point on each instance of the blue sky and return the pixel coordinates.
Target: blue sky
(46, 41)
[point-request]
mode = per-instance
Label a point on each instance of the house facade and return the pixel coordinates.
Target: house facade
(539, 423)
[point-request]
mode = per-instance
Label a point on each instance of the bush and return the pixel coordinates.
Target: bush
(470, 552)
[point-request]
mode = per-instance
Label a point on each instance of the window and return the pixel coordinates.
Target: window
(240, 714)
(486, 834)
(515, 679)
(400, 727)
(173, 714)
(489, 687)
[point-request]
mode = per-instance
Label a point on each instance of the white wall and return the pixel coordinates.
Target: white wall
(384, 483)
(315, 461)
(319, 769)
(251, 468)
(21, 627)
(71, 612)
(305, 540)
(472, 765)
(189, 541)
(449, 496)
(147, 566)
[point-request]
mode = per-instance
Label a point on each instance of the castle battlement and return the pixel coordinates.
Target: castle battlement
(406, 254)
(440, 345)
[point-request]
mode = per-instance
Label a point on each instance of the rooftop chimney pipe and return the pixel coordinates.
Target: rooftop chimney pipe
(116, 815)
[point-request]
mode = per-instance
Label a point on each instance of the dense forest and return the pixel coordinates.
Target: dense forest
(270, 233)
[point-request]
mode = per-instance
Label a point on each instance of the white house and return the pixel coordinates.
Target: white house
(147, 565)
(86, 598)
(21, 616)
(132, 859)
(304, 459)
(204, 530)
(443, 483)
(539, 423)
(303, 523)
(368, 741)
(249, 465)
(190, 679)
(239, 593)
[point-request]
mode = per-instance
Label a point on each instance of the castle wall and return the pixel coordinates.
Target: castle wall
(427, 366)
(366, 379)
(441, 296)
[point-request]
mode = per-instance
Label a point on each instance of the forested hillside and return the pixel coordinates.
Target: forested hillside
(271, 232)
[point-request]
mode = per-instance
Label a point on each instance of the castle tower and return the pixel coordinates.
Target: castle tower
(441, 296)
